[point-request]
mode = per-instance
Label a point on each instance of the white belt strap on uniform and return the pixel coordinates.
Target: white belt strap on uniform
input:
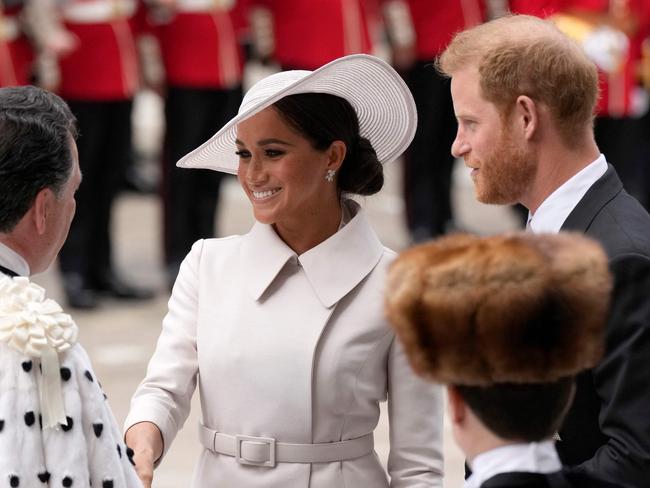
(9, 29)
(98, 11)
(204, 5)
(265, 451)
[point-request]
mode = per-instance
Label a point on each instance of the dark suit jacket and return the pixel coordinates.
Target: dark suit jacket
(607, 431)
(552, 480)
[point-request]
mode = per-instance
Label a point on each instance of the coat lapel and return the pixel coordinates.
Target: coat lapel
(604, 190)
(340, 263)
(333, 268)
(264, 254)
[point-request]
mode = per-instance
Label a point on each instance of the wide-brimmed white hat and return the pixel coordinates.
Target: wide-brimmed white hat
(381, 99)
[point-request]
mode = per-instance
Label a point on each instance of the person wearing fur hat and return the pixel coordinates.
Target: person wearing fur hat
(283, 328)
(56, 428)
(506, 322)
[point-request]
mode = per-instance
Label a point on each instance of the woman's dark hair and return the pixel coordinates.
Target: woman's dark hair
(323, 118)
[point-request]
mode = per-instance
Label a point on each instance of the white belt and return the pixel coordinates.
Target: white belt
(97, 11)
(265, 451)
(9, 29)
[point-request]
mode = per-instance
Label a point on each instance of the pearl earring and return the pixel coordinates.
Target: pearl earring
(330, 175)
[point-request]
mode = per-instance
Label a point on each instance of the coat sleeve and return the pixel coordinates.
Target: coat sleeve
(622, 380)
(415, 412)
(165, 394)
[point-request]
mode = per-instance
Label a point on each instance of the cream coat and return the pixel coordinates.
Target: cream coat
(295, 348)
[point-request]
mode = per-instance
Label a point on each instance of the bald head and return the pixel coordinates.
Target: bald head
(523, 55)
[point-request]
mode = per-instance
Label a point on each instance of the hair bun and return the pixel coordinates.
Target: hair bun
(361, 172)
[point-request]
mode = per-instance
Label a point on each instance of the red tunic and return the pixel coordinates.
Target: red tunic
(435, 23)
(104, 65)
(311, 33)
(200, 49)
(16, 54)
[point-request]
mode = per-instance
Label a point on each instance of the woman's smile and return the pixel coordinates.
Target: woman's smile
(265, 194)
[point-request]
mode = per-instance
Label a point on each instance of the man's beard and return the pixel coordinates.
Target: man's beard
(506, 174)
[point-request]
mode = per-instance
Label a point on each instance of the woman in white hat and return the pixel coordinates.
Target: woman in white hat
(283, 327)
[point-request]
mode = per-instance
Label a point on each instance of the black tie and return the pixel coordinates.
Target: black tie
(7, 271)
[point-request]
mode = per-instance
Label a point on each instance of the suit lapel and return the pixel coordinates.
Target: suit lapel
(604, 190)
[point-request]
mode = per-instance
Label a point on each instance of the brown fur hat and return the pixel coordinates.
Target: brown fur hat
(517, 308)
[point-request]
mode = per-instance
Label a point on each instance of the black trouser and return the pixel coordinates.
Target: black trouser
(190, 196)
(104, 145)
(428, 161)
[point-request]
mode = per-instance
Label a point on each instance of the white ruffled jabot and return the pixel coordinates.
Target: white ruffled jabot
(36, 326)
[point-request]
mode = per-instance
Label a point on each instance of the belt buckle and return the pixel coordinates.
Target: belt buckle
(239, 439)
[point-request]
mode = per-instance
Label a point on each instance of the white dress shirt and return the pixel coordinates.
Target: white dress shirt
(10, 259)
(553, 211)
(535, 457)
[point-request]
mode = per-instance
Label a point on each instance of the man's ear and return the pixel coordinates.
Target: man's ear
(527, 112)
(336, 154)
(457, 406)
(41, 209)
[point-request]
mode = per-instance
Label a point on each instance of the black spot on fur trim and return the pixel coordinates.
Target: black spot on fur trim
(129, 455)
(30, 418)
(97, 429)
(119, 451)
(14, 481)
(44, 477)
(69, 424)
(40, 421)
(67, 481)
(107, 484)
(89, 376)
(27, 366)
(65, 374)
(2, 425)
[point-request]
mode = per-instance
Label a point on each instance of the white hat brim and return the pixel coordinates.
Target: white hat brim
(383, 103)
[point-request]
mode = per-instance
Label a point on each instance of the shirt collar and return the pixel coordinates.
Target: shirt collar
(333, 268)
(534, 457)
(553, 211)
(12, 260)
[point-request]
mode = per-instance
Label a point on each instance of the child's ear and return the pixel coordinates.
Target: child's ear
(457, 406)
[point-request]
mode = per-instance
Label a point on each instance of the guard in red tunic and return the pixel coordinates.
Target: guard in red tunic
(308, 34)
(15, 51)
(419, 30)
(98, 79)
(202, 59)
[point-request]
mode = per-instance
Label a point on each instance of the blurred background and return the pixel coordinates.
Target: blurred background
(151, 80)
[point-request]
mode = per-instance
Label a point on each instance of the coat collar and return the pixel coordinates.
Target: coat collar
(333, 268)
(605, 189)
